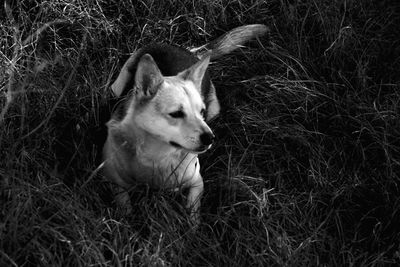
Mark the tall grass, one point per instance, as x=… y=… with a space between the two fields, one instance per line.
x=305 y=171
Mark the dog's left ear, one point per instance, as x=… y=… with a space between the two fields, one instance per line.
x=196 y=72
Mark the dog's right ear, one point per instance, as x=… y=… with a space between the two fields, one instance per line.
x=148 y=77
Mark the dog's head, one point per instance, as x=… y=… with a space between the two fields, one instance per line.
x=171 y=108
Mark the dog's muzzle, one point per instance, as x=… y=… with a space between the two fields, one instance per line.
x=206 y=140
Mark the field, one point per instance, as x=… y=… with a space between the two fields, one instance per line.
x=305 y=169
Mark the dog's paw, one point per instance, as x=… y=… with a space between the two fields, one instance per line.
x=123 y=201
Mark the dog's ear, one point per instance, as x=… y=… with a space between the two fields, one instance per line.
x=148 y=76
x=196 y=72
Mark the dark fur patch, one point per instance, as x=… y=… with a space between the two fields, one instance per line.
x=170 y=60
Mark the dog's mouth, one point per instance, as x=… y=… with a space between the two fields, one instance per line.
x=199 y=150
x=172 y=143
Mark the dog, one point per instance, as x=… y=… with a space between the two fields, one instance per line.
x=159 y=127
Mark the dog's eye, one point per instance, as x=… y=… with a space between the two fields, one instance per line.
x=177 y=114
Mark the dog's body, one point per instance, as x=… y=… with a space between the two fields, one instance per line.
x=157 y=132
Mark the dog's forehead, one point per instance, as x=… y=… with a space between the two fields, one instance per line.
x=179 y=92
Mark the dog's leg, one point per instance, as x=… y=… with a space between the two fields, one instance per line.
x=122 y=199
x=193 y=200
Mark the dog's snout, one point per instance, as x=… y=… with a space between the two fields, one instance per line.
x=207 y=138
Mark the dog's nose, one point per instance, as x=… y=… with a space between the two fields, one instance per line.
x=207 y=138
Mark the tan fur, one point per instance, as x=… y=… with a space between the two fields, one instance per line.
x=230 y=41
x=164 y=127
x=138 y=148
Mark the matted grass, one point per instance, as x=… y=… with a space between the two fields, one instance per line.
x=305 y=171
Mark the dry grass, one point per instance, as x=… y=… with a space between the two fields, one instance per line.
x=305 y=171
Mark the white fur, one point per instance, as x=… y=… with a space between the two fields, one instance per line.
x=152 y=145
x=149 y=145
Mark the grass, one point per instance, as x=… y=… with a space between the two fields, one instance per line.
x=305 y=171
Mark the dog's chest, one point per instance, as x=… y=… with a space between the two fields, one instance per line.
x=171 y=171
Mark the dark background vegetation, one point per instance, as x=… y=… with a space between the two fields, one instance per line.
x=305 y=171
